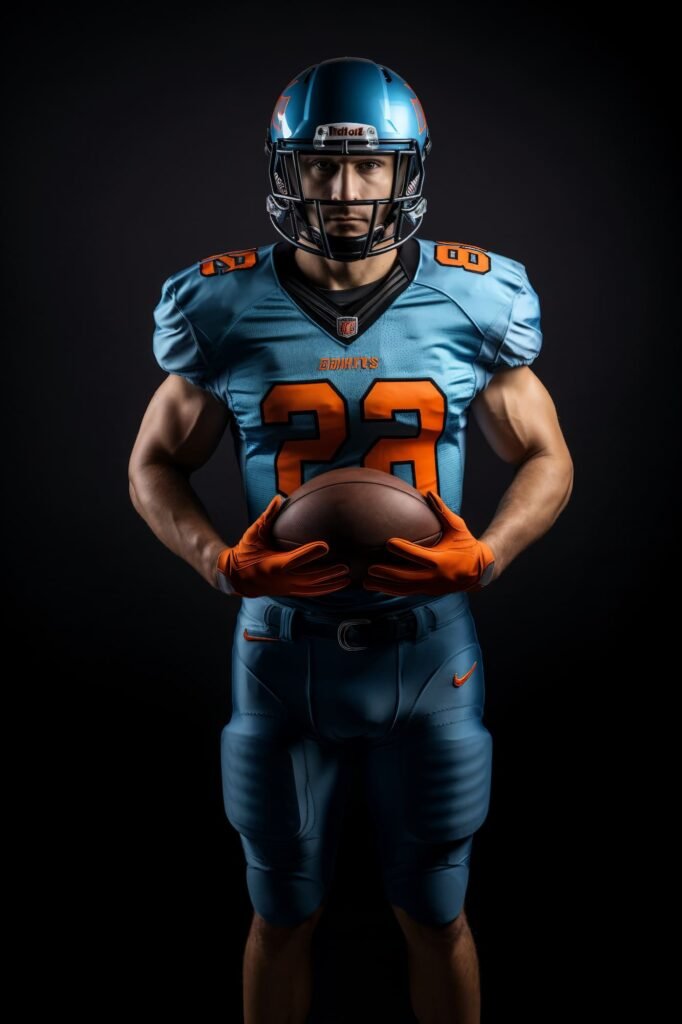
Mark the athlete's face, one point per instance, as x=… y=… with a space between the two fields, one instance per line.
x=347 y=177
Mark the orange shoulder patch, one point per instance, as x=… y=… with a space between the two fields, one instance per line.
x=460 y=254
x=224 y=262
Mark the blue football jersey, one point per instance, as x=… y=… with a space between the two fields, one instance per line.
x=307 y=396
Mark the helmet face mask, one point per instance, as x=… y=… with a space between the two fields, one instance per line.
x=303 y=214
x=306 y=219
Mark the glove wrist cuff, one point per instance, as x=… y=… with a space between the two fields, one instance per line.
x=222 y=571
x=487 y=574
x=488 y=565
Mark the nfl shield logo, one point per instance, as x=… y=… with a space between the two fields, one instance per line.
x=346 y=326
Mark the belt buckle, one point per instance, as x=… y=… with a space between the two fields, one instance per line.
x=341 y=635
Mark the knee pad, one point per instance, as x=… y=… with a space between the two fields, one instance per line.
x=446 y=776
x=281 y=898
x=432 y=888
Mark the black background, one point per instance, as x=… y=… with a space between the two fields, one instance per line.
x=135 y=147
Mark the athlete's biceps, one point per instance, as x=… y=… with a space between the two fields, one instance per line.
x=183 y=425
x=517 y=416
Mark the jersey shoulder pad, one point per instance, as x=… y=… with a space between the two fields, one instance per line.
x=495 y=294
x=198 y=307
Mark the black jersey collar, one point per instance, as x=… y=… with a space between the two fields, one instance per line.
x=349 y=322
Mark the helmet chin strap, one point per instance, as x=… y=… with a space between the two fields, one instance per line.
x=346 y=248
x=351 y=248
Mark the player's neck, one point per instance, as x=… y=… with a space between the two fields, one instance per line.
x=337 y=275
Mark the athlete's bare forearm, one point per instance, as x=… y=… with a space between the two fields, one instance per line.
x=535 y=498
x=164 y=497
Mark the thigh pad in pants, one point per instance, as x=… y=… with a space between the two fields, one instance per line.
x=264 y=783
x=446 y=773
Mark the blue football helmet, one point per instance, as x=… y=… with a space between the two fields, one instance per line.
x=348 y=106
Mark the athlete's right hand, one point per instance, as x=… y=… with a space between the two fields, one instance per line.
x=253 y=569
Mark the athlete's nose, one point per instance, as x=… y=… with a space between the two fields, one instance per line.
x=345 y=183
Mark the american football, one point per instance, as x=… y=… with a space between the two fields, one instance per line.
x=355 y=510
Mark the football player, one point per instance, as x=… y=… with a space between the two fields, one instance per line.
x=352 y=341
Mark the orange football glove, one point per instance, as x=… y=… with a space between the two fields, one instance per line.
x=457 y=562
x=253 y=569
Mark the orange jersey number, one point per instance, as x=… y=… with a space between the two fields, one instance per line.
x=380 y=402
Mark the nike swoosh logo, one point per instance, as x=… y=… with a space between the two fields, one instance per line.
x=270 y=638
x=458 y=680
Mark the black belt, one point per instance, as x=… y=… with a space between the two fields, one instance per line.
x=353 y=634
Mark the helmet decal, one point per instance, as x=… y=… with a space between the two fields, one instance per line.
x=419 y=111
x=278 y=116
x=325 y=132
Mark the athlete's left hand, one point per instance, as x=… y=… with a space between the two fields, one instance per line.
x=457 y=562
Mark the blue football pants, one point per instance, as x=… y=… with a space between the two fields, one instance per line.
x=413 y=710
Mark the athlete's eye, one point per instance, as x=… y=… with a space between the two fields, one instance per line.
x=325 y=166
